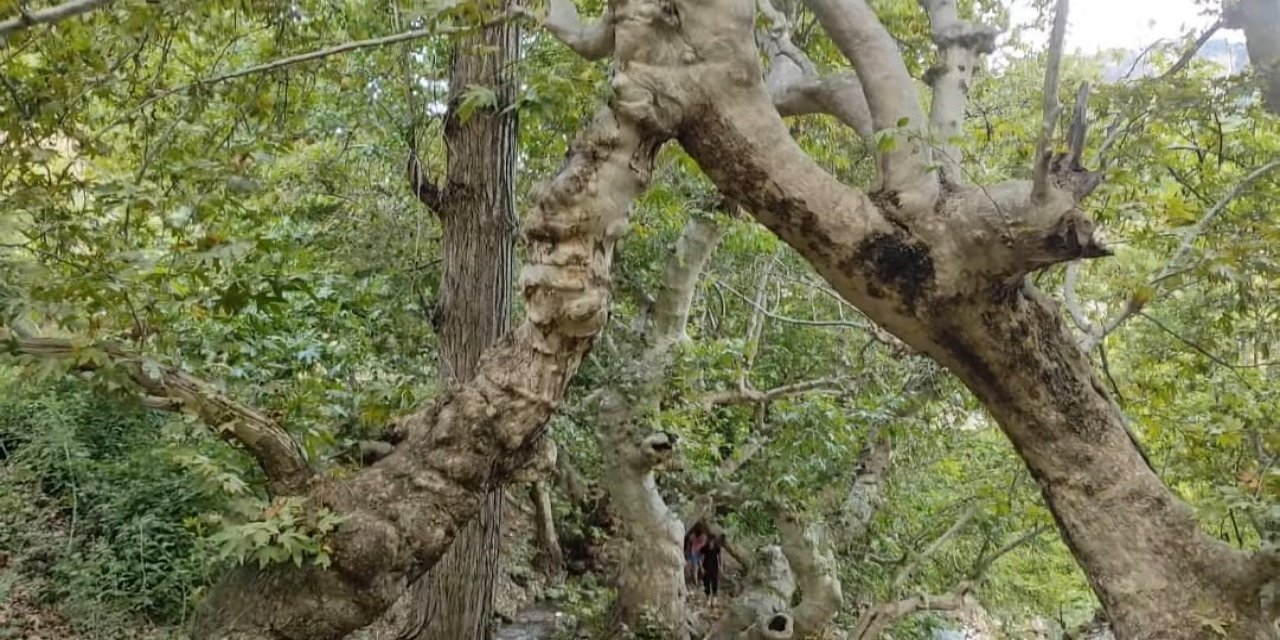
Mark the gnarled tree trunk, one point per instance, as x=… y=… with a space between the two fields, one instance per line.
x=402 y=513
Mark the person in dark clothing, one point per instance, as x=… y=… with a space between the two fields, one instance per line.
x=711 y=567
x=694 y=542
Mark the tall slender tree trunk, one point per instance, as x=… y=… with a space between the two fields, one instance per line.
x=476 y=206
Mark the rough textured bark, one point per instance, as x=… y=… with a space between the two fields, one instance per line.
x=1260 y=20
x=476 y=206
x=651 y=576
x=944 y=270
x=403 y=512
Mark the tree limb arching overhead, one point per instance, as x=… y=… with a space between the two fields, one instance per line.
x=891 y=95
x=945 y=271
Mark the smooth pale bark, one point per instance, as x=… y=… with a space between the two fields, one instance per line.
x=961 y=45
x=651 y=572
x=944 y=271
x=763 y=610
x=891 y=96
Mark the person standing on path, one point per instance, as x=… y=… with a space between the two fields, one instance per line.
x=694 y=543
x=711 y=567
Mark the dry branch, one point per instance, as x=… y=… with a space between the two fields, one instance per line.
x=51 y=15
x=1050 y=108
x=165 y=387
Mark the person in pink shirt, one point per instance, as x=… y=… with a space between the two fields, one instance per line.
x=694 y=542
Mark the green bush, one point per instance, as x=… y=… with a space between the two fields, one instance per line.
x=94 y=506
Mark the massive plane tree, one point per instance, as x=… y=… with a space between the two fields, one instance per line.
x=939 y=262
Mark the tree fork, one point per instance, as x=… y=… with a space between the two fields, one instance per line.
x=403 y=512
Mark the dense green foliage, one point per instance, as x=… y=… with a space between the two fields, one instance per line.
x=258 y=232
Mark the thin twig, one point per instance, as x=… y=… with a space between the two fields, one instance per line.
x=1174 y=267
x=796 y=321
x=905 y=572
x=26 y=19
x=1204 y=352
x=1190 y=54
x=310 y=56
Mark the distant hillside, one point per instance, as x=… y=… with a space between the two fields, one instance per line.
x=1230 y=56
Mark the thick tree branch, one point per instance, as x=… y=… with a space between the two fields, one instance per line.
x=891 y=95
x=277 y=453
x=680 y=280
x=961 y=45
x=797 y=88
x=592 y=40
x=948 y=278
x=57 y=13
x=1260 y=20
x=403 y=512
x=872 y=623
x=864 y=496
